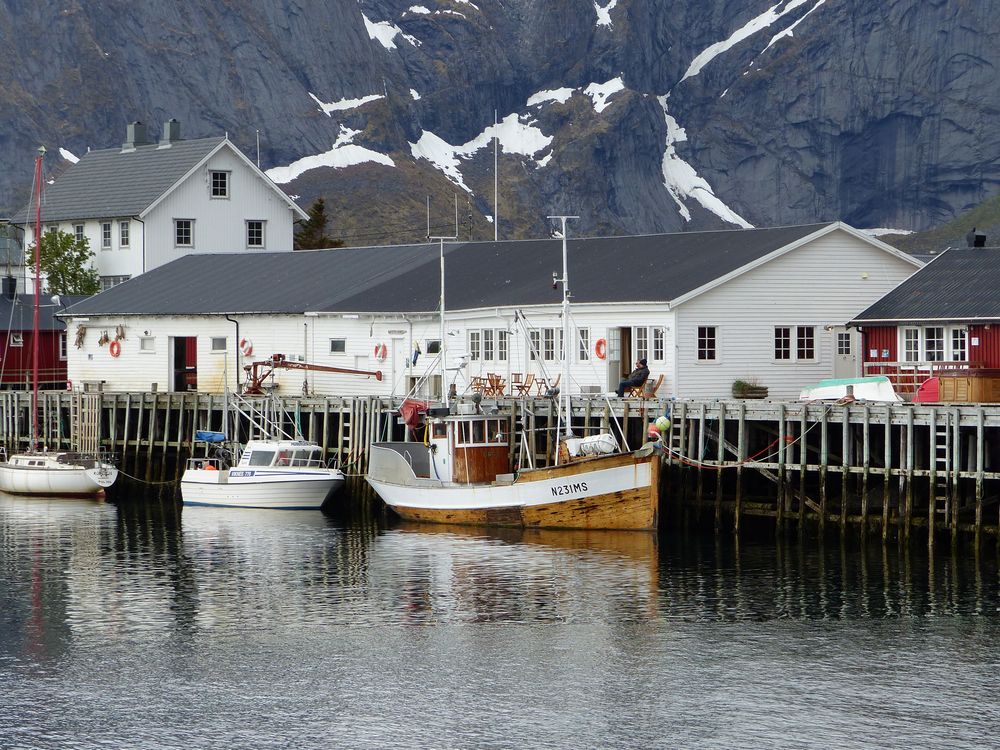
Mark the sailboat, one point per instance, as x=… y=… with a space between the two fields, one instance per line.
x=41 y=472
x=462 y=471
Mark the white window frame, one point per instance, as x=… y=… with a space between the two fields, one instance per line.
x=15 y=339
x=641 y=338
x=124 y=233
x=433 y=346
x=535 y=344
x=338 y=346
x=503 y=341
x=63 y=346
x=959 y=344
x=222 y=190
x=799 y=348
x=79 y=232
x=910 y=345
x=489 y=349
x=147 y=345
x=845 y=345
x=190 y=232
x=940 y=350
x=263 y=234
x=583 y=345
x=218 y=349
x=106 y=235
x=781 y=341
x=715 y=358
x=475 y=342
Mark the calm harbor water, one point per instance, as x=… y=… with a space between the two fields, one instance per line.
x=142 y=624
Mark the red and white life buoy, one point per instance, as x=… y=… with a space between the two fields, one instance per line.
x=69 y=384
x=115 y=348
x=246 y=347
x=601 y=348
x=381 y=352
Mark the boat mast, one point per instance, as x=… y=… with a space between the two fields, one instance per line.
x=35 y=327
x=443 y=349
x=564 y=404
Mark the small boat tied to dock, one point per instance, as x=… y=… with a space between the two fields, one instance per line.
x=462 y=470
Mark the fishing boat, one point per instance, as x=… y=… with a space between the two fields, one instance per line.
x=279 y=472
x=462 y=471
x=38 y=471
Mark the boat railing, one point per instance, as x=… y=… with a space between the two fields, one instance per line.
x=315 y=463
x=212 y=464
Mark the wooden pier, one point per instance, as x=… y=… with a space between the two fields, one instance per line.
x=887 y=469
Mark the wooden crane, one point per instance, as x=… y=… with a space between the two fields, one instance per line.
x=258 y=372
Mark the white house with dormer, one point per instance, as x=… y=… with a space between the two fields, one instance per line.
x=146 y=204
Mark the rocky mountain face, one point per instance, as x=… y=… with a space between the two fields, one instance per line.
x=636 y=115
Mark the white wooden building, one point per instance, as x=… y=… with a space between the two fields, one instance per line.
x=146 y=204
x=704 y=308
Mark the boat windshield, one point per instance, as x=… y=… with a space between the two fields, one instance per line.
x=261 y=458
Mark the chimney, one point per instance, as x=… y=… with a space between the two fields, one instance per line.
x=9 y=287
x=975 y=239
x=171 y=132
x=135 y=135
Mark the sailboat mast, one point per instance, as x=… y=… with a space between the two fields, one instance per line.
x=35 y=326
x=442 y=352
x=564 y=403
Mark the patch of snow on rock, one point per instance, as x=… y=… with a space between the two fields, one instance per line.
x=420 y=10
x=754 y=25
x=551 y=95
x=384 y=33
x=601 y=92
x=343 y=154
x=328 y=107
x=441 y=154
x=415 y=95
x=69 y=156
x=882 y=231
x=682 y=181
x=604 y=13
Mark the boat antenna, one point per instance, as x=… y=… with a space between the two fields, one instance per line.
x=564 y=404
x=443 y=352
x=35 y=327
x=496 y=181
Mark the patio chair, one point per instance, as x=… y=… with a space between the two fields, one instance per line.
x=524 y=388
x=647 y=389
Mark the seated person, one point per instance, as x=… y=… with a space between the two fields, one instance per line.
x=637 y=377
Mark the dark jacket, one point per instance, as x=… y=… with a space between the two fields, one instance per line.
x=638 y=376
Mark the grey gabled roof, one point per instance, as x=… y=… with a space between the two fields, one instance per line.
x=650 y=268
x=962 y=283
x=112 y=182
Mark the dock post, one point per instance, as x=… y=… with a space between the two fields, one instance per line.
x=720 y=459
x=956 y=472
x=932 y=479
x=782 y=478
x=980 y=463
x=845 y=463
x=865 y=465
x=803 y=464
x=700 y=458
x=824 y=460
x=908 y=507
x=741 y=455
x=887 y=464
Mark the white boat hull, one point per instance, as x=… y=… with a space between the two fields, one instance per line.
x=51 y=480
x=260 y=488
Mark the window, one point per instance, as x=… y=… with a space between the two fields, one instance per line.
x=548 y=344
x=123 y=232
x=255 y=233
x=109 y=281
x=641 y=343
x=147 y=344
x=218 y=343
x=934 y=344
x=782 y=343
x=105 y=235
x=184 y=232
x=911 y=345
x=805 y=342
x=502 y=341
x=220 y=184
x=843 y=343
x=959 y=348
x=475 y=350
x=62 y=345
x=535 y=339
x=583 y=345
x=78 y=231
x=707 y=349
x=434 y=346
x=261 y=458
x=488 y=344
x=657 y=336
x=338 y=346
x=16 y=339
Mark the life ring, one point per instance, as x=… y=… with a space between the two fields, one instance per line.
x=115 y=348
x=381 y=352
x=601 y=348
x=246 y=346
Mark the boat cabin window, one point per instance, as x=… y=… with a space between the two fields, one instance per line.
x=303 y=458
x=481 y=431
x=261 y=458
x=440 y=429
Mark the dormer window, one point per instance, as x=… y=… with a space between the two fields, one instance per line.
x=220 y=184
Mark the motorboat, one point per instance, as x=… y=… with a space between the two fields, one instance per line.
x=277 y=474
x=873 y=388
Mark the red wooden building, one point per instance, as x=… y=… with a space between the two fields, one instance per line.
x=944 y=317
x=16 y=343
